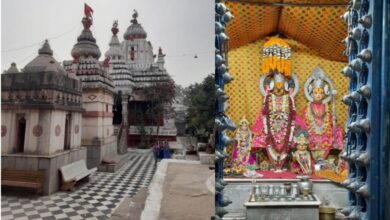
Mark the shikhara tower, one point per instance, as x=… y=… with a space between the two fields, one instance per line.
x=133 y=68
x=98 y=97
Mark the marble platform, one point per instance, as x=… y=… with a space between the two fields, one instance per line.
x=239 y=189
x=283 y=209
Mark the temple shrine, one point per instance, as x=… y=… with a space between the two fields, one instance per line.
x=303 y=145
x=42 y=122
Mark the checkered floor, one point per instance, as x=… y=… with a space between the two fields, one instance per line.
x=94 y=200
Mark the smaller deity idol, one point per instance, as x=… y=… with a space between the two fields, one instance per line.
x=242 y=160
x=302 y=161
x=320 y=116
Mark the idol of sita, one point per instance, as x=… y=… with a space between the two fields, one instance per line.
x=320 y=115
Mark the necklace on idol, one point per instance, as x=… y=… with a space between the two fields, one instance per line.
x=271 y=114
x=312 y=118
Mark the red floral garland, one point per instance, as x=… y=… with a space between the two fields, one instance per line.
x=270 y=137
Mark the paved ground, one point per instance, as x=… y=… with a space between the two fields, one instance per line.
x=94 y=200
x=186 y=194
x=180 y=190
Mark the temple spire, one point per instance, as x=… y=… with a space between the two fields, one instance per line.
x=135 y=16
x=86 y=44
x=12 y=69
x=135 y=30
x=115 y=48
x=114 y=28
x=46 y=49
x=160 y=58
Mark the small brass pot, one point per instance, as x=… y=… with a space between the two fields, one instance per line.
x=327 y=213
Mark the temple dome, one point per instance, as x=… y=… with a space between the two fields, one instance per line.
x=135 y=30
x=44 y=62
x=12 y=69
x=86 y=44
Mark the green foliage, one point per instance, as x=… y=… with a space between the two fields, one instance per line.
x=200 y=99
x=157 y=97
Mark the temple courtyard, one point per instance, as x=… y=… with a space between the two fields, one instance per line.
x=96 y=199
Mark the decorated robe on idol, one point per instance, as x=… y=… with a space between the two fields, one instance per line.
x=242 y=160
x=275 y=125
x=302 y=161
x=320 y=115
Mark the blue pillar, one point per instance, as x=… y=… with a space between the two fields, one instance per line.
x=384 y=202
x=373 y=137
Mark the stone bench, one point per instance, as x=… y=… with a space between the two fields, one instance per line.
x=23 y=178
x=73 y=172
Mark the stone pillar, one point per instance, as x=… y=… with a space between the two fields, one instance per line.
x=122 y=143
x=125 y=105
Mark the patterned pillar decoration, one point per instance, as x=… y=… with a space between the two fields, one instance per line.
x=385 y=114
x=222 y=122
x=362 y=139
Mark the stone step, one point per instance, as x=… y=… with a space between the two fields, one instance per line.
x=235 y=216
x=119 y=159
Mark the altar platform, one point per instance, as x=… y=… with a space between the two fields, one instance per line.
x=297 y=209
x=239 y=189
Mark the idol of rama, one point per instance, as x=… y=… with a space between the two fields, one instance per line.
x=275 y=125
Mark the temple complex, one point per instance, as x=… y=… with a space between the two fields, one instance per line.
x=54 y=115
x=41 y=115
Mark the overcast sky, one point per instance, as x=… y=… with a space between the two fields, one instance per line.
x=183 y=28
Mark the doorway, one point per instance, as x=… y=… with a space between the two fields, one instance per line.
x=21 y=133
x=67 y=131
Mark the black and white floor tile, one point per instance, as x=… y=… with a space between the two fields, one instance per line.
x=96 y=199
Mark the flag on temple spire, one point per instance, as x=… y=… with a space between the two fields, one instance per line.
x=88 y=11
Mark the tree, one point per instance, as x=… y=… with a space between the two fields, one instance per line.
x=158 y=100
x=200 y=99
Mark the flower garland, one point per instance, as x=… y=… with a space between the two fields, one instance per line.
x=288 y=125
x=311 y=117
x=284 y=113
x=276 y=56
